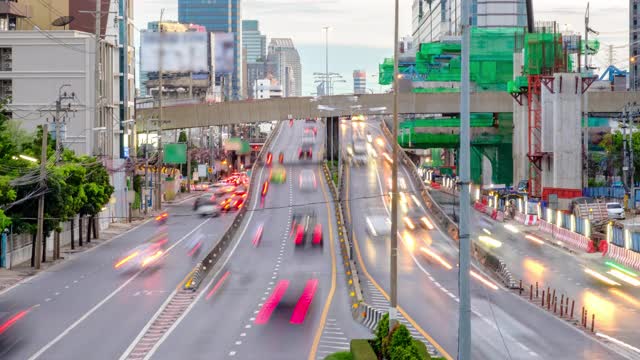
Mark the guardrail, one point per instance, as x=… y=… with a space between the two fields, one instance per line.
x=490 y=261
x=202 y=268
x=353 y=280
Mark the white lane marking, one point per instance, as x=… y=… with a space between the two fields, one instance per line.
x=238 y=342
x=243 y=334
x=47 y=299
x=248 y=326
x=195 y=301
x=98 y=305
x=232 y=353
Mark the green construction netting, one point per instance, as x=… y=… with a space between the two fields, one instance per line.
x=491 y=62
x=543 y=54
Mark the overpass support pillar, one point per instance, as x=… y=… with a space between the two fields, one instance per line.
x=333 y=138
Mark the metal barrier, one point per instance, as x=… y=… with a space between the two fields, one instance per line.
x=202 y=268
x=490 y=261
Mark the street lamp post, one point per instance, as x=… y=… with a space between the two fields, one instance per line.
x=393 y=316
x=327 y=91
x=464 y=318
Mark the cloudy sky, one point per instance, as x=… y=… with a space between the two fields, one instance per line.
x=366 y=26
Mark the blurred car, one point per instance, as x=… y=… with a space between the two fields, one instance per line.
x=306 y=229
x=202 y=199
x=281 y=158
x=265 y=188
x=144 y=255
x=278 y=175
x=201 y=187
x=269 y=158
x=311 y=130
x=378 y=225
x=305 y=152
x=162 y=218
x=308 y=180
x=227 y=189
x=233 y=203
x=615 y=210
x=208 y=207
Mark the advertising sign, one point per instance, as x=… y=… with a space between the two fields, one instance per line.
x=183 y=52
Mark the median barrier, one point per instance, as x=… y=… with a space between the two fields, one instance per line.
x=573 y=239
x=201 y=270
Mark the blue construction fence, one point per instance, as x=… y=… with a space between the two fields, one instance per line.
x=617 y=238
x=616 y=192
x=580 y=223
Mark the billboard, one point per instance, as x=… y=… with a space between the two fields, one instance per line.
x=223 y=48
x=183 y=52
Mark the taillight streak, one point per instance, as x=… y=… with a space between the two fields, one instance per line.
x=302 y=307
x=272 y=302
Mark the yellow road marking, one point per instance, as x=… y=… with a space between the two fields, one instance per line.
x=384 y=293
x=327 y=305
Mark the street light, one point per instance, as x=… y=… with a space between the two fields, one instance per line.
x=326 y=84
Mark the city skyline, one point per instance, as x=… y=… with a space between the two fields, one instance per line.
x=371 y=30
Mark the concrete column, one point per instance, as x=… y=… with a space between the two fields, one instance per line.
x=487 y=171
x=567 y=150
x=547 y=99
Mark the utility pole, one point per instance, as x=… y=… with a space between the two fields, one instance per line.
x=464 y=318
x=625 y=157
x=393 y=310
x=58 y=118
x=43 y=185
x=188 y=162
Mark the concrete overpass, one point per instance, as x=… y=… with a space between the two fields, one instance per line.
x=241 y=112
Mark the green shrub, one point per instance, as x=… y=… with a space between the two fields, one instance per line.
x=382 y=331
x=422 y=349
x=361 y=350
x=404 y=353
x=341 y=355
x=401 y=337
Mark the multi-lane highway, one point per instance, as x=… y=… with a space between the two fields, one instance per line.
x=253 y=306
x=617 y=306
x=84 y=308
x=503 y=325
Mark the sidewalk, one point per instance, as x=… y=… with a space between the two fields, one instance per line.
x=22 y=271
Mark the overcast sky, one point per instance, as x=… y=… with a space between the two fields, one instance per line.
x=369 y=23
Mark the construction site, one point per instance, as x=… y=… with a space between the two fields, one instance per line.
x=544 y=141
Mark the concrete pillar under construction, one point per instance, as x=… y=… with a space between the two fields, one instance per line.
x=546 y=100
x=567 y=149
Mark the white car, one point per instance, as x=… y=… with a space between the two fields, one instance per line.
x=615 y=210
x=208 y=208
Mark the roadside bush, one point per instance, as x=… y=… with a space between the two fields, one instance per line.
x=361 y=350
x=342 y=355
x=382 y=331
x=422 y=349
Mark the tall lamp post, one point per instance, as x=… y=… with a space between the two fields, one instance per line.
x=464 y=318
x=393 y=316
x=326 y=61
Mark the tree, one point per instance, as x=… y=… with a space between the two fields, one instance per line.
x=183 y=137
x=97 y=189
x=613 y=145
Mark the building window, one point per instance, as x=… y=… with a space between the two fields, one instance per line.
x=6 y=89
x=6 y=59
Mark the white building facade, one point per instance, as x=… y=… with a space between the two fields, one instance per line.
x=266 y=89
x=431 y=20
x=39 y=67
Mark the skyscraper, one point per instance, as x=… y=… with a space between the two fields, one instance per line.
x=433 y=19
x=286 y=61
x=253 y=41
x=359 y=82
x=218 y=16
x=634 y=44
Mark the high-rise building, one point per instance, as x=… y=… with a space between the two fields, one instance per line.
x=286 y=60
x=218 y=16
x=359 y=81
x=266 y=89
x=431 y=20
x=253 y=41
x=634 y=44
